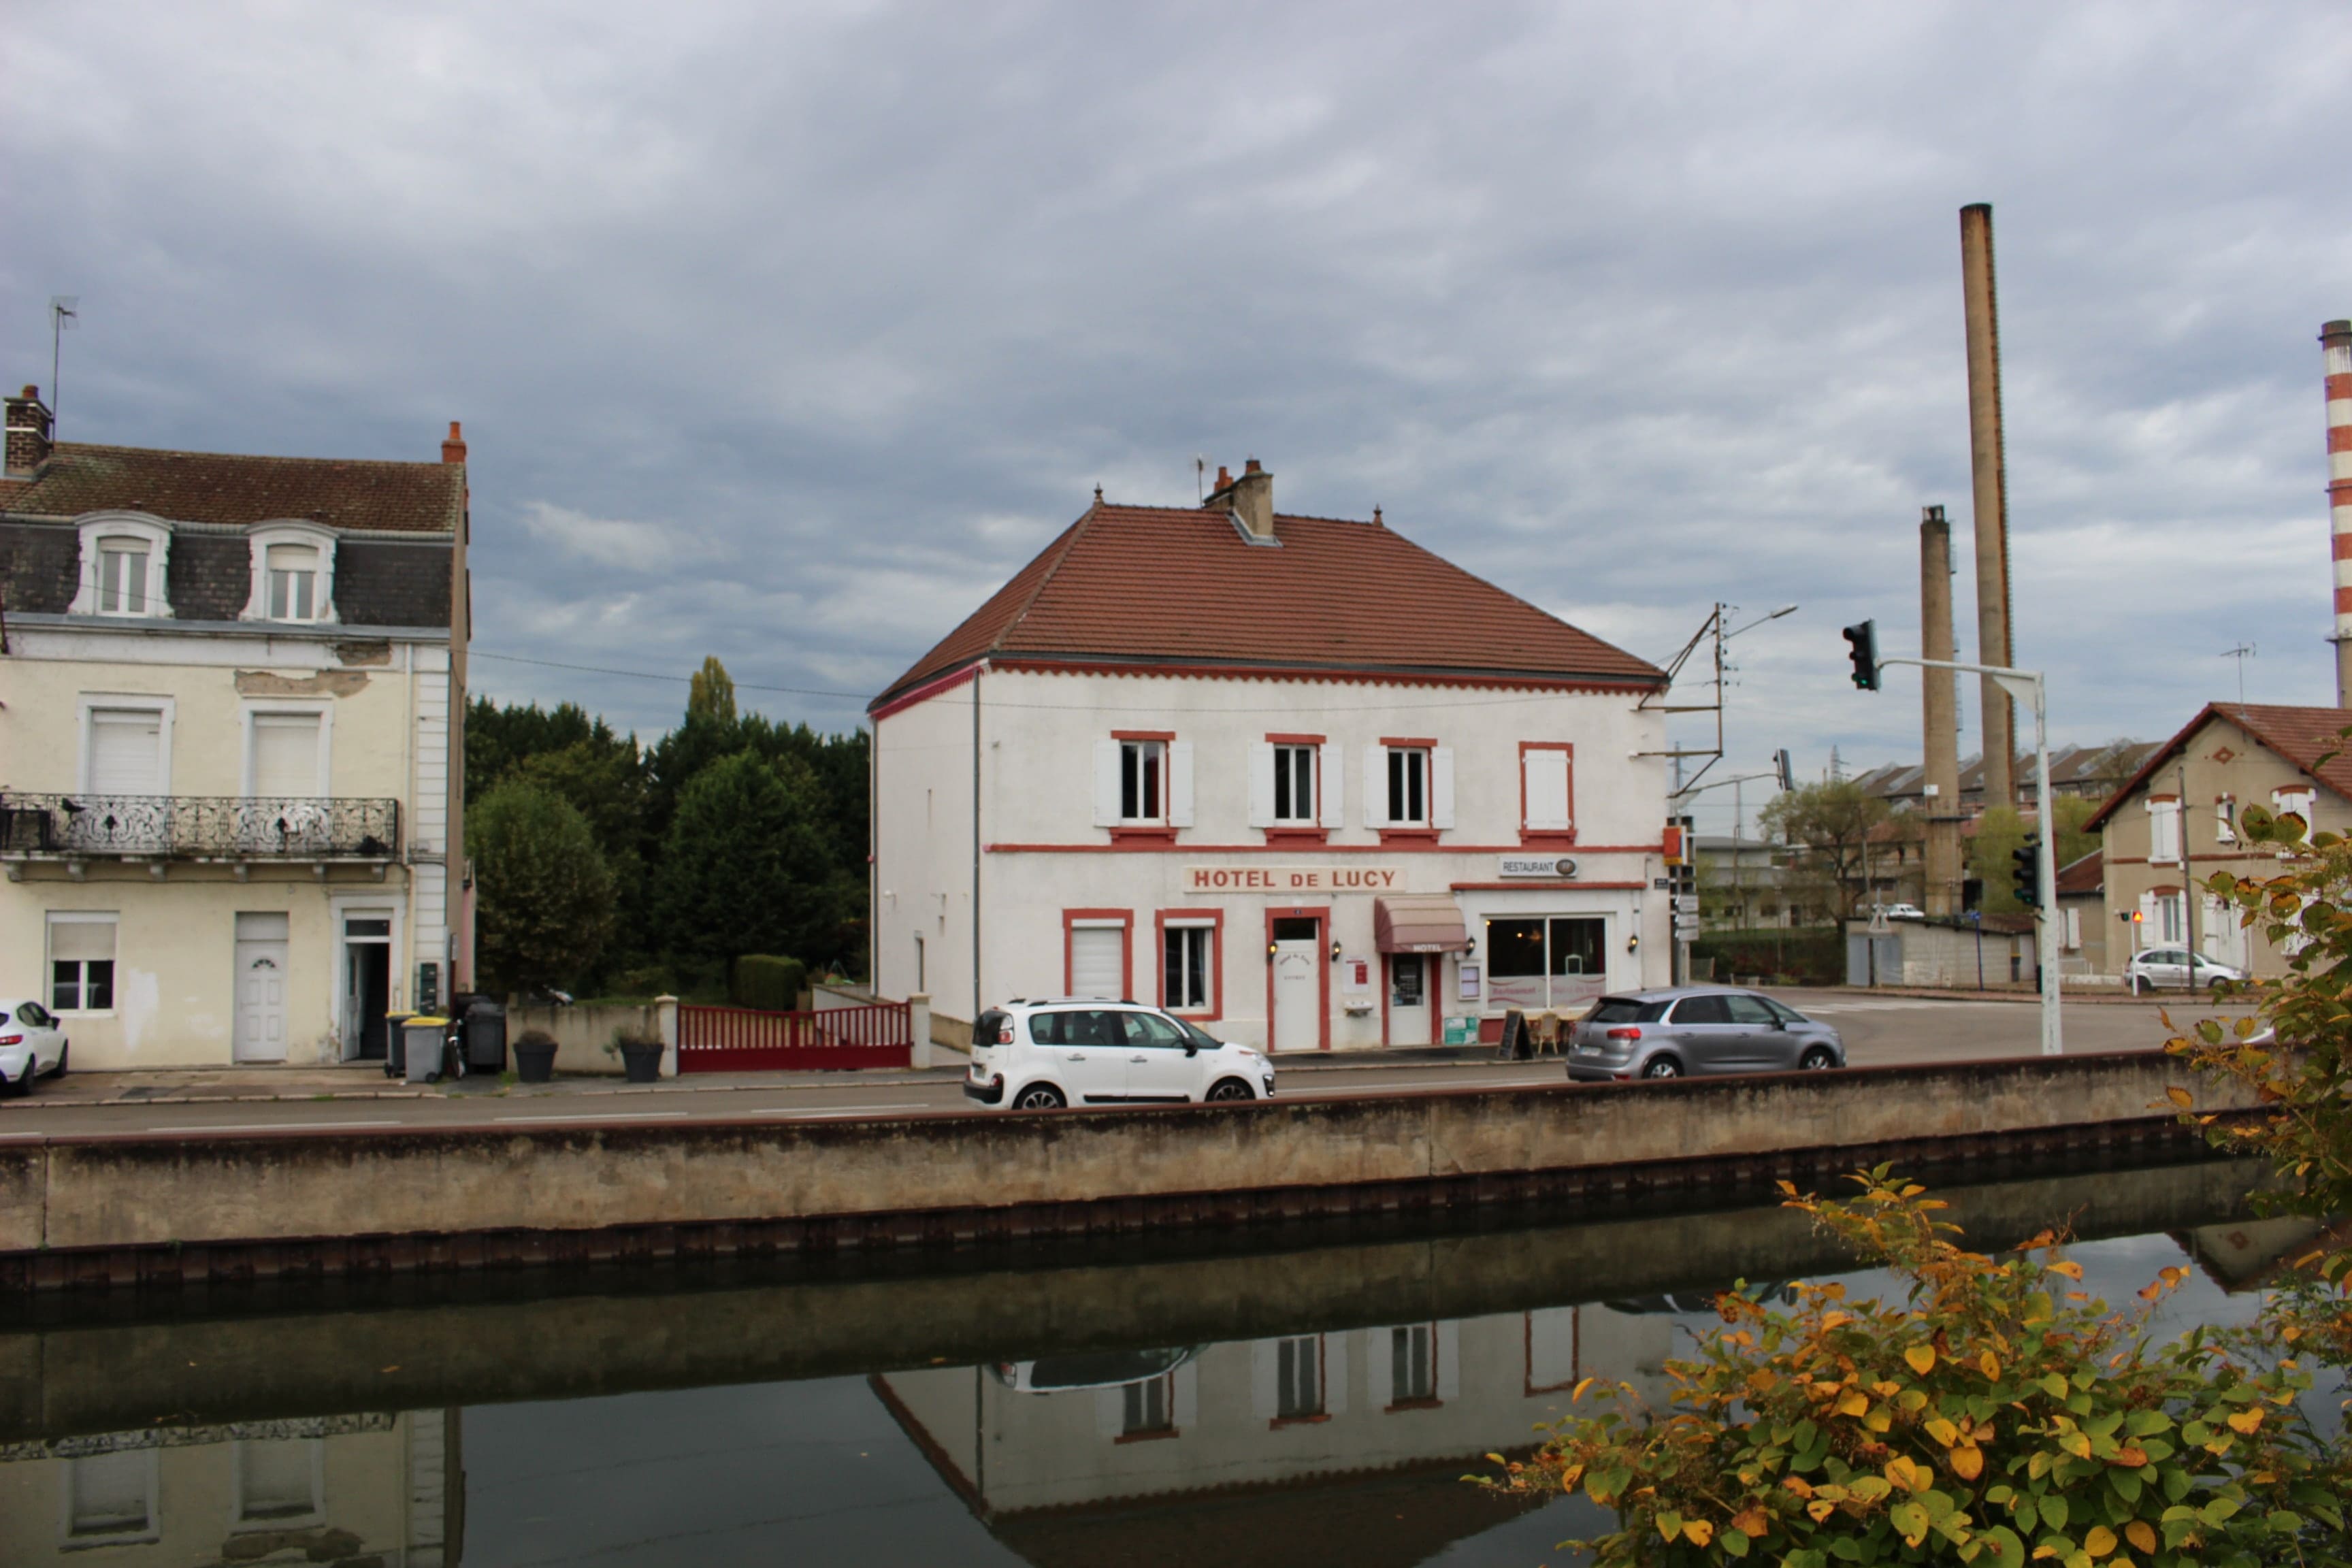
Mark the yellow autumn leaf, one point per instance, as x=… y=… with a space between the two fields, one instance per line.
x=2070 y=1270
x=1821 y=1510
x=1836 y=1319
x=1699 y=1532
x=2245 y=1420
x=1990 y=1367
x=1854 y=1402
x=1943 y=1431
x=2180 y=1097
x=1580 y=1389
x=2099 y=1541
x=2141 y=1535
x=1922 y=1359
x=1752 y=1521
x=1968 y=1461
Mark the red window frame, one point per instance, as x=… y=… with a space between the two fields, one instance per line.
x=1125 y=920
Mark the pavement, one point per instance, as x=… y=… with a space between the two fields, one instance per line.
x=1879 y=1027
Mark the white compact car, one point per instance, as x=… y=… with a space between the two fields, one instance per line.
x=30 y=1042
x=1086 y=1050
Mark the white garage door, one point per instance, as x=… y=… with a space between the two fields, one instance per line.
x=1098 y=961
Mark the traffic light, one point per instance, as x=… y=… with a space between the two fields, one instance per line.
x=1780 y=768
x=2025 y=874
x=1862 y=638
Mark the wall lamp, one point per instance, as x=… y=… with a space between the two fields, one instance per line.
x=1334 y=950
x=1634 y=943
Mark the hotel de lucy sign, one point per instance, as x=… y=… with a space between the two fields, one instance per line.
x=1349 y=878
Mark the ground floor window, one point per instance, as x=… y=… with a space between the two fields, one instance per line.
x=82 y=963
x=1539 y=964
x=1298 y=1371
x=2171 y=924
x=1412 y=1366
x=1186 y=953
x=1148 y=1408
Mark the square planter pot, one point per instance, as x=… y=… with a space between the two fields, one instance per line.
x=641 y=1064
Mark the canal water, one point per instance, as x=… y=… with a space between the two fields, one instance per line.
x=1301 y=1399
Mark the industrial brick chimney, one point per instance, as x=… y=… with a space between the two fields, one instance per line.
x=2335 y=347
x=1249 y=497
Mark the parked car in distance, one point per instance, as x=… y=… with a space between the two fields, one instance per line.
x=2166 y=969
x=1695 y=1030
x=1086 y=1050
x=31 y=1043
x=1903 y=912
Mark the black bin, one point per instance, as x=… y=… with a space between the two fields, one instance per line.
x=483 y=1020
x=396 y=1053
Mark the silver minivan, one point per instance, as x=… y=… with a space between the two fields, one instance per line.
x=1698 y=1030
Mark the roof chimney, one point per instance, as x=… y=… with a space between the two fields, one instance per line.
x=1249 y=497
x=28 y=441
x=453 y=450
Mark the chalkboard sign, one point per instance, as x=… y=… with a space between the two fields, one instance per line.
x=1514 y=1036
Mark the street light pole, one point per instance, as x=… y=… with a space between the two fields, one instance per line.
x=2028 y=684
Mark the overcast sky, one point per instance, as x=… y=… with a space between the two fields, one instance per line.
x=787 y=331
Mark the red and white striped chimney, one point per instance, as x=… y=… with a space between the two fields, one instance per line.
x=2336 y=345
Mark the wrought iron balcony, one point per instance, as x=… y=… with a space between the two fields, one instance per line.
x=193 y=826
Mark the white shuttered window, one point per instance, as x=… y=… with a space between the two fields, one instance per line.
x=286 y=755
x=126 y=750
x=1544 y=771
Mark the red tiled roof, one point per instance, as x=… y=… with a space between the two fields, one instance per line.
x=2303 y=736
x=2084 y=874
x=1180 y=586
x=216 y=486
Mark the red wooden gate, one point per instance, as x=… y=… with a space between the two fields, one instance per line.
x=742 y=1039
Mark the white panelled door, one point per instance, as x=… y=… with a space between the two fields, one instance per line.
x=261 y=975
x=126 y=750
x=1098 y=961
x=1299 y=994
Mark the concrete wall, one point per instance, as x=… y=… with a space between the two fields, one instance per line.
x=583 y=1030
x=95 y=1191
x=1044 y=855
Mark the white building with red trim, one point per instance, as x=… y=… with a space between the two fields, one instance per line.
x=1298 y=778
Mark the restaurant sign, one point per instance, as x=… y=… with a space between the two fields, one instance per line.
x=1293 y=879
x=1550 y=867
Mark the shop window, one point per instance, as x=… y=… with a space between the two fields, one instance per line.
x=82 y=963
x=1544 y=963
x=1186 y=982
x=1407 y=977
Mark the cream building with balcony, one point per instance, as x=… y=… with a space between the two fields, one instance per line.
x=1295 y=777
x=230 y=782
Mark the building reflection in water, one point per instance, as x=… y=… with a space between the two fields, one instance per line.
x=383 y=1489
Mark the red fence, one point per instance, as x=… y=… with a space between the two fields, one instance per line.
x=741 y=1039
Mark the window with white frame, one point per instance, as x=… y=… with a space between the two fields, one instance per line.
x=2171 y=919
x=2297 y=801
x=1143 y=781
x=111 y=1498
x=1412 y=1366
x=1408 y=784
x=1293 y=784
x=2225 y=819
x=1187 y=952
x=81 y=961
x=1299 y=1378
x=2163 y=828
x=279 y=1481
x=124 y=750
x=2070 y=932
x=293 y=581
x=283 y=757
x=122 y=567
x=1147 y=1408
x=293 y=566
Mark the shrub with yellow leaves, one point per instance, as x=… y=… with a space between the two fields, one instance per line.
x=1995 y=1417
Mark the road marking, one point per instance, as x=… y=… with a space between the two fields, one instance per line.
x=839 y=1110
x=599 y=1115
x=268 y=1126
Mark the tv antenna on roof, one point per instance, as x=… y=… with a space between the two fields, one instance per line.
x=1200 y=477
x=2242 y=652
x=65 y=311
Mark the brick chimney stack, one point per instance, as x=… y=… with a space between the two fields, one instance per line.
x=453 y=450
x=1249 y=497
x=2335 y=347
x=29 y=442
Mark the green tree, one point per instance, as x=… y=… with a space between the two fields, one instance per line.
x=1827 y=825
x=544 y=893
x=710 y=693
x=744 y=866
x=2002 y=829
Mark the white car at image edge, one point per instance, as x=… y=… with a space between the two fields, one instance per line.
x=1042 y=1054
x=30 y=1043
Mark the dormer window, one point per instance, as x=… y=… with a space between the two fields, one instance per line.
x=293 y=581
x=123 y=576
x=123 y=556
x=293 y=573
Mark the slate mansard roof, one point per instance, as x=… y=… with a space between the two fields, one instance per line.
x=1175 y=587
x=396 y=523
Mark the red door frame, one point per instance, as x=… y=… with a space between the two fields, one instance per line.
x=1321 y=915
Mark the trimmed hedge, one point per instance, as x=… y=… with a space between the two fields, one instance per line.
x=1799 y=957
x=770 y=984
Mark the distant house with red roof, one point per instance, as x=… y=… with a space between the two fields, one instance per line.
x=2176 y=819
x=1295 y=777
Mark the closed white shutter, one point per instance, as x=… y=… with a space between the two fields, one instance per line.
x=1546 y=788
x=1180 y=784
x=1376 y=786
x=1098 y=961
x=78 y=939
x=286 y=755
x=1551 y=1347
x=1106 y=783
x=126 y=751
x=1335 y=787
x=1261 y=785
x=1441 y=787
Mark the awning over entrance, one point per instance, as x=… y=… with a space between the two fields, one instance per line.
x=1428 y=922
